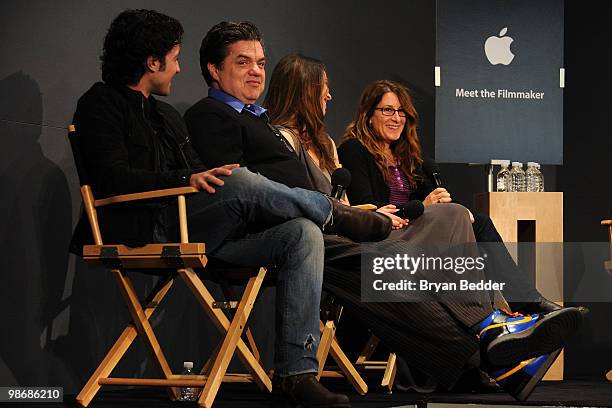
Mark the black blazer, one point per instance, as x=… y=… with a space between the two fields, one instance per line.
x=120 y=154
x=221 y=135
x=367 y=183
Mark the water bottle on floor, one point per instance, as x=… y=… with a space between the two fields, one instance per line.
x=188 y=393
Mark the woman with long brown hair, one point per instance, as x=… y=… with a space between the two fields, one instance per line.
x=382 y=150
x=297 y=102
x=386 y=125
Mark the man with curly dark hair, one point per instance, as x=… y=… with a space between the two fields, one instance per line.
x=132 y=142
x=134 y=36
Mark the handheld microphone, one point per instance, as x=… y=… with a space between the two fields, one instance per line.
x=431 y=170
x=412 y=210
x=340 y=181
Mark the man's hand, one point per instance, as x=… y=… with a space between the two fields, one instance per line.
x=439 y=195
x=389 y=210
x=204 y=180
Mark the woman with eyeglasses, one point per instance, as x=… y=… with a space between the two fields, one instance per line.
x=381 y=148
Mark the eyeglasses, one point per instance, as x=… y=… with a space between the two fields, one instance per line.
x=387 y=111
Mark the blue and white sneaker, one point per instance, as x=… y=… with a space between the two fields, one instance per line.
x=507 y=339
x=521 y=380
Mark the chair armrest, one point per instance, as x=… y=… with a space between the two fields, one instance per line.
x=145 y=195
x=368 y=207
x=606 y=222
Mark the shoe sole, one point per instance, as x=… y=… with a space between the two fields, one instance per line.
x=545 y=336
x=522 y=393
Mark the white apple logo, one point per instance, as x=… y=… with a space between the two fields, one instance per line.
x=497 y=49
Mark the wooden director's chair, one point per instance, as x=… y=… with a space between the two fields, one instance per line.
x=179 y=259
x=345 y=368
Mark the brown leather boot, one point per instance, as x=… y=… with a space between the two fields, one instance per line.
x=303 y=390
x=356 y=224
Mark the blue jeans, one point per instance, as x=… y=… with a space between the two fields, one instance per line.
x=247 y=202
x=295 y=249
x=252 y=221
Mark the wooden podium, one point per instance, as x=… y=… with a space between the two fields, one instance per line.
x=536 y=218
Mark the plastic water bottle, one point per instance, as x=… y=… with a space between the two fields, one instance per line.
x=503 y=176
x=517 y=177
x=540 y=177
x=189 y=393
x=532 y=177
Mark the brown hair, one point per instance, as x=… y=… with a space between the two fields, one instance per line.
x=407 y=149
x=294 y=101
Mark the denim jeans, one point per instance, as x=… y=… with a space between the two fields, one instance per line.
x=246 y=202
x=295 y=249
x=252 y=221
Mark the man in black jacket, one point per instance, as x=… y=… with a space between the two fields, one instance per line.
x=131 y=142
x=227 y=126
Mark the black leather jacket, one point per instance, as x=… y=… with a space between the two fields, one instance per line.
x=120 y=156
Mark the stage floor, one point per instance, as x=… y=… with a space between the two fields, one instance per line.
x=549 y=394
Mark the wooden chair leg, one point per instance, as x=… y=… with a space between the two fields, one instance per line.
x=223 y=324
x=329 y=345
x=122 y=344
x=390 y=371
x=144 y=328
x=253 y=345
x=230 y=341
x=230 y=294
x=347 y=368
x=390 y=367
x=368 y=350
x=328 y=331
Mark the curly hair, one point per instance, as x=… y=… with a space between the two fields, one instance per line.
x=135 y=35
x=407 y=149
x=215 y=43
x=294 y=101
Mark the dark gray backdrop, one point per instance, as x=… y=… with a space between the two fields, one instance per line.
x=60 y=316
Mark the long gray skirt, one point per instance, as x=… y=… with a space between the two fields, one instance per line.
x=432 y=336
